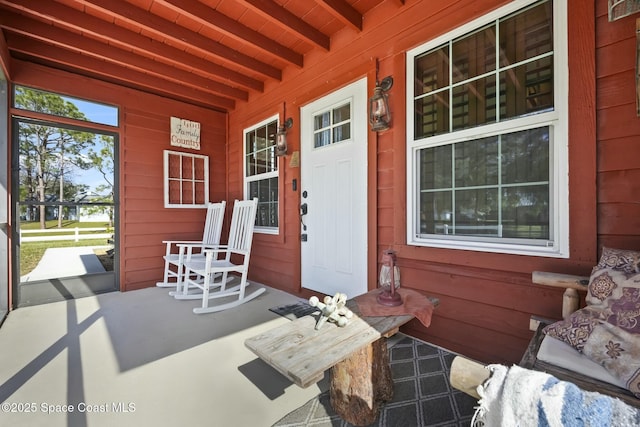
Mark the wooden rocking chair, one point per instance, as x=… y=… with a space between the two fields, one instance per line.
x=218 y=263
x=179 y=251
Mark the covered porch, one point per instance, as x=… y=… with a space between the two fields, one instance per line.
x=559 y=96
x=143 y=358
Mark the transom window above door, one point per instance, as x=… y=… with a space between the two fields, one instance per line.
x=487 y=134
x=332 y=126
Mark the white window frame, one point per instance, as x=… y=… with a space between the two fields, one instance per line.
x=167 y=179
x=557 y=119
x=263 y=176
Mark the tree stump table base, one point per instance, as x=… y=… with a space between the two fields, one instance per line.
x=362 y=383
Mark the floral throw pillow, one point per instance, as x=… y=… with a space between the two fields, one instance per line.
x=575 y=329
x=617 y=269
x=618 y=352
x=619 y=259
x=625 y=311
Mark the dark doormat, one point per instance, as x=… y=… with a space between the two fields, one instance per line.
x=294 y=311
x=422 y=394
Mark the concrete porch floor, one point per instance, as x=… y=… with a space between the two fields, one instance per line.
x=142 y=358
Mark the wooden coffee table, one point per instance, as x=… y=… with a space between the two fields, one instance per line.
x=357 y=355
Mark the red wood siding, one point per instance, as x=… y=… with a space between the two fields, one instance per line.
x=486 y=299
x=144 y=135
x=618 y=132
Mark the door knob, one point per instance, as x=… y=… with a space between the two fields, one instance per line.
x=303 y=211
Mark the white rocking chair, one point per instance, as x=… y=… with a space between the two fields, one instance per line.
x=179 y=251
x=219 y=260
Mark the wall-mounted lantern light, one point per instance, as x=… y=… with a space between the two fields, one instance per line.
x=379 y=113
x=281 y=137
x=621 y=8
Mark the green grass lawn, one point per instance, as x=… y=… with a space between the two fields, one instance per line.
x=31 y=252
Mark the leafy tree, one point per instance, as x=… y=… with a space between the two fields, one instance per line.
x=103 y=161
x=46 y=152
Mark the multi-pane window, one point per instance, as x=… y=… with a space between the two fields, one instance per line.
x=332 y=126
x=487 y=148
x=186 y=180
x=261 y=173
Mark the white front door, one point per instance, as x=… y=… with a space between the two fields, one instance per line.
x=334 y=192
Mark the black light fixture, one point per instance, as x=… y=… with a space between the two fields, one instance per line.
x=379 y=113
x=281 y=135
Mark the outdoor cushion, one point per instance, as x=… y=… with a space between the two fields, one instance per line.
x=561 y=354
x=606 y=330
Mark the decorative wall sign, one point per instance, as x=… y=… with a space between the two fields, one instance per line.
x=185 y=133
x=294 y=162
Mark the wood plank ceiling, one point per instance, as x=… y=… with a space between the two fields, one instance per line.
x=212 y=53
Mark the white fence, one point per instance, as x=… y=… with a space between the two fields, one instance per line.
x=75 y=234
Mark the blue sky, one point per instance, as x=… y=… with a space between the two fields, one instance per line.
x=98 y=113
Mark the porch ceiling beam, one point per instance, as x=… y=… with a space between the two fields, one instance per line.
x=211 y=18
x=288 y=21
x=63 y=16
x=70 y=41
x=178 y=34
x=68 y=60
x=344 y=12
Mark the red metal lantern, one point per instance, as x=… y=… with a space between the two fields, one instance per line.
x=281 y=137
x=389 y=280
x=281 y=141
x=379 y=112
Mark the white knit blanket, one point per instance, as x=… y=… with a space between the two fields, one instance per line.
x=518 y=397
